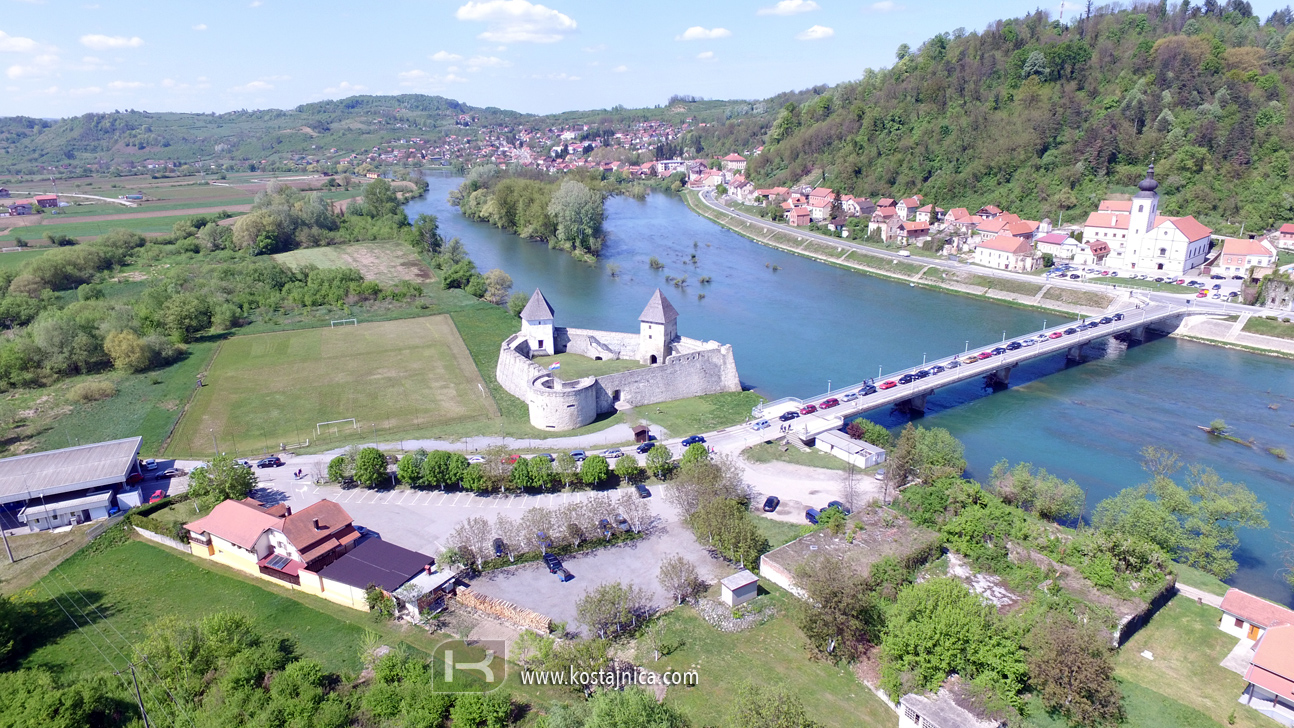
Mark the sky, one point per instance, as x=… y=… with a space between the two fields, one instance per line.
x=67 y=57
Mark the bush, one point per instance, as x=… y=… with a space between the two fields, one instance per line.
x=87 y=392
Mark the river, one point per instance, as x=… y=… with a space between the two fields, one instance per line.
x=794 y=328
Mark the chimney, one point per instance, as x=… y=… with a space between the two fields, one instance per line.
x=287 y=511
x=427 y=569
x=316 y=524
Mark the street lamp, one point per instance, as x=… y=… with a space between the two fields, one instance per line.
x=967 y=347
x=828 y=386
x=923 y=358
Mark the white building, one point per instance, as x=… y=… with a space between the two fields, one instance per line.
x=1144 y=241
x=1058 y=245
x=1238 y=256
x=1005 y=252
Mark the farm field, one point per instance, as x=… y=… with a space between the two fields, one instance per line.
x=13 y=261
x=386 y=263
x=161 y=224
x=394 y=376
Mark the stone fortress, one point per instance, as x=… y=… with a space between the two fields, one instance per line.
x=675 y=367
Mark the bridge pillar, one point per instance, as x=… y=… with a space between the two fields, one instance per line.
x=914 y=405
x=1137 y=333
x=1075 y=353
x=999 y=378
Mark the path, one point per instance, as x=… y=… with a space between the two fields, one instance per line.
x=1212 y=600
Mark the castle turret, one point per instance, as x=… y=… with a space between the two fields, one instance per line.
x=537 y=325
x=657 y=329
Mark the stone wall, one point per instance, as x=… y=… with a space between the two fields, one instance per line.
x=596 y=344
x=708 y=371
x=558 y=405
x=515 y=371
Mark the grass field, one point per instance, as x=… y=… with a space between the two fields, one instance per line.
x=778 y=533
x=162 y=224
x=1266 y=327
x=770 y=654
x=36 y=553
x=13 y=261
x=268 y=389
x=576 y=367
x=701 y=414
x=387 y=262
x=766 y=452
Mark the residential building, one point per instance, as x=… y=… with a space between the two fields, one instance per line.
x=923 y=213
x=1092 y=253
x=1058 y=245
x=988 y=212
x=1005 y=252
x=1023 y=229
x=857 y=206
x=884 y=223
x=1239 y=256
x=914 y=232
x=819 y=209
x=1144 y=241
x=1285 y=237
x=272 y=540
x=388 y=567
x=799 y=217
x=1247 y=616
x=907 y=207
x=733 y=163
x=47 y=200
x=20 y=207
x=821 y=195
x=1271 y=675
x=70 y=485
x=4 y=192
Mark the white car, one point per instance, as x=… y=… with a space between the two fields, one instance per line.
x=759 y=424
x=476 y=459
x=150 y=464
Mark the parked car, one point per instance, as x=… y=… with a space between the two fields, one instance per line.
x=758 y=425
x=891 y=384
x=605 y=526
x=645 y=448
x=971 y=359
x=921 y=373
x=1202 y=294
x=771 y=503
x=811 y=515
x=829 y=403
x=1217 y=277
x=642 y=491
x=510 y=459
x=498 y=548
x=134 y=478
x=622 y=523
x=869 y=389
x=1070 y=331
x=1029 y=342
x=547 y=456
x=613 y=453
x=1106 y=320
x=475 y=459
x=150 y=464
x=1117 y=317
x=998 y=351
x=157 y=496
x=553 y=563
x=544 y=543
x=849 y=397
x=1055 y=335
x=808 y=409
x=907 y=379
x=168 y=473
x=693 y=440
x=841 y=506
x=563 y=575
x=953 y=363
x=788 y=415
x=578 y=455
x=937 y=369
x=880 y=474
x=271 y=462
x=1014 y=346
x=984 y=355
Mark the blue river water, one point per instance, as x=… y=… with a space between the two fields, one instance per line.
x=796 y=324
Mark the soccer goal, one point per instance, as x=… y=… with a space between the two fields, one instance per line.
x=343 y=322
x=319 y=425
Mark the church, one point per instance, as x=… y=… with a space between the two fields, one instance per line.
x=1143 y=241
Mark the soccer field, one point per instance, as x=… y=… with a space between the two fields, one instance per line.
x=395 y=376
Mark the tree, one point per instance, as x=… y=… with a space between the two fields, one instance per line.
x=938 y=627
x=520 y=475
x=594 y=470
x=628 y=470
x=222 y=479
x=567 y=469
x=833 y=520
x=340 y=468
x=841 y=616
x=1039 y=492
x=577 y=211
x=659 y=462
x=127 y=351
x=185 y=315
x=679 y=578
x=632 y=707
x=610 y=610
x=694 y=453
x=1036 y=65
x=409 y=468
x=474 y=479
x=426 y=237
x=370 y=467
x=541 y=472
x=635 y=510
x=1071 y=667
x=517 y=303
x=497 y=286
x=380 y=199
x=704 y=481
x=767 y=706
x=869 y=432
x=474 y=710
x=725 y=524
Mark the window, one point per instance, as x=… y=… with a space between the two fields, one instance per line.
x=1163 y=251
x=1240 y=622
x=1141 y=208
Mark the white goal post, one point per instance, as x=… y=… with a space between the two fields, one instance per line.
x=319 y=425
x=343 y=322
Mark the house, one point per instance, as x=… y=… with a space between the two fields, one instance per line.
x=923 y=213
x=1247 y=616
x=71 y=485
x=857 y=206
x=47 y=200
x=1092 y=253
x=1023 y=229
x=742 y=189
x=858 y=452
x=914 y=232
x=733 y=163
x=1271 y=675
x=235 y=533
x=988 y=212
x=739 y=588
x=1142 y=240
x=885 y=202
x=1005 y=252
x=1285 y=238
x=20 y=207
x=272 y=541
x=4 y=192
x=819 y=209
x=799 y=217
x=838 y=224
x=1238 y=256
x=1058 y=245
x=386 y=566
x=884 y=222
x=907 y=207
x=821 y=194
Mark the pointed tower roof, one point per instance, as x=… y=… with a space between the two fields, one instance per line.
x=537 y=309
x=1149 y=184
x=659 y=310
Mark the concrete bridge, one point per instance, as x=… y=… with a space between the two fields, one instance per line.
x=996 y=370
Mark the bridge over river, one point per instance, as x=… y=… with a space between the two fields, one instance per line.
x=996 y=369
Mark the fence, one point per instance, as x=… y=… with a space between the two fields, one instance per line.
x=164 y=540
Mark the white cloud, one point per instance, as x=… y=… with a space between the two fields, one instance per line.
x=110 y=42
x=696 y=32
x=16 y=44
x=255 y=4
x=86 y=91
x=476 y=63
x=418 y=78
x=789 y=7
x=445 y=56
x=453 y=69
x=39 y=66
x=90 y=63
x=345 y=87
x=817 y=32
x=557 y=77
x=885 y=6
x=706 y=56
x=125 y=85
x=253 y=87
x=517 y=21
x=595 y=48
x=200 y=26
x=620 y=69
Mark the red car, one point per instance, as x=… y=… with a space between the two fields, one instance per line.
x=829 y=403
x=1201 y=294
x=510 y=459
x=889 y=385
x=157 y=496
x=984 y=355
x=1055 y=335
x=808 y=409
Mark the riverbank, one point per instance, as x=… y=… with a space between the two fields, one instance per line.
x=1040 y=297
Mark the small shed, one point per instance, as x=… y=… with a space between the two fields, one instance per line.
x=739 y=588
x=642 y=433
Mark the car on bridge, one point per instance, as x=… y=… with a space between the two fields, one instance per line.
x=921 y=374
x=808 y=409
x=1071 y=331
x=1014 y=346
x=889 y=384
x=953 y=363
x=789 y=415
x=1106 y=320
x=829 y=403
x=758 y=425
x=849 y=397
x=1118 y=317
x=866 y=390
x=907 y=379
x=937 y=369
x=984 y=355
x=1028 y=342
x=971 y=359
x=1055 y=335
x=998 y=351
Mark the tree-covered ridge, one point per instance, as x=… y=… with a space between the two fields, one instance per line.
x=1042 y=117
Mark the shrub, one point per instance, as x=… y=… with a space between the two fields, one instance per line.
x=87 y=392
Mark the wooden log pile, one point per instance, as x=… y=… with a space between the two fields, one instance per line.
x=507 y=611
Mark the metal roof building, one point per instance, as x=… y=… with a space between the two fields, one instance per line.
x=71 y=469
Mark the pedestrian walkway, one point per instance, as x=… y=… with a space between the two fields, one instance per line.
x=1199 y=595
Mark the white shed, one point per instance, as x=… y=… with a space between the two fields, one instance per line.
x=739 y=588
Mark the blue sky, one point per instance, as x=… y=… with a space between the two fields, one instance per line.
x=62 y=58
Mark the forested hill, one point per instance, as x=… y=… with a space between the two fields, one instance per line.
x=1040 y=117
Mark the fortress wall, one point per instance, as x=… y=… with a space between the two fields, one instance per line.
x=515 y=371
x=558 y=405
x=624 y=345
x=683 y=375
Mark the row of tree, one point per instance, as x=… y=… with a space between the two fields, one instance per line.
x=565 y=213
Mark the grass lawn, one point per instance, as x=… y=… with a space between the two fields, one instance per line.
x=267 y=389
x=13 y=261
x=36 y=553
x=1144 y=708
x=770 y=654
x=701 y=414
x=1078 y=298
x=1191 y=576
x=778 y=533
x=386 y=262
x=767 y=452
x=162 y=224
x=575 y=366
x=146 y=404
x=1269 y=327
x=1187 y=645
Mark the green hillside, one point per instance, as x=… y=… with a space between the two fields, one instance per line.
x=1042 y=118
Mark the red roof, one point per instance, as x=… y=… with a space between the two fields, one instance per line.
x=1242 y=246
x=1115 y=206
x=820 y=203
x=1107 y=220
x=1193 y=229
x=1255 y=610
x=1022 y=227
x=46 y=197
x=912 y=202
x=1008 y=244
x=822 y=192
x=236 y=522
x=1287 y=229
x=1098 y=247
x=1273 y=661
x=996 y=225
x=885 y=211
x=885 y=202
x=959 y=215
x=734 y=157
x=916 y=227
x=1053 y=238
x=991 y=210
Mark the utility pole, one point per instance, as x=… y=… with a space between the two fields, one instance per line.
x=138 y=699
x=5 y=536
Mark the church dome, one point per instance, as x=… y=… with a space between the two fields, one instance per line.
x=1148 y=184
